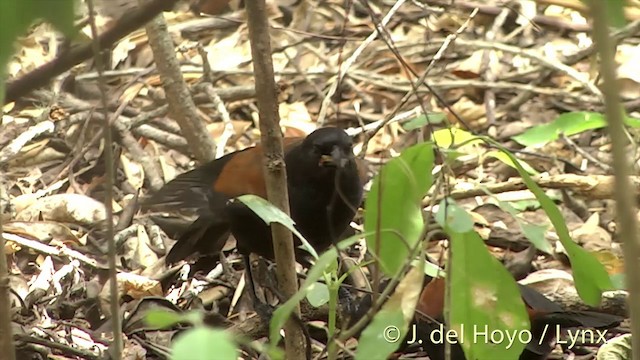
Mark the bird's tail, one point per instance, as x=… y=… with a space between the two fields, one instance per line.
x=205 y=236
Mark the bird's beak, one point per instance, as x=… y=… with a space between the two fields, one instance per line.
x=337 y=158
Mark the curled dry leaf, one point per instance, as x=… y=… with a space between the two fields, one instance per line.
x=133 y=285
x=83 y=340
x=45 y=277
x=471 y=113
x=36 y=153
x=470 y=67
x=217 y=128
x=45 y=231
x=407 y=293
x=137 y=250
x=557 y=283
x=558 y=286
x=19 y=288
x=23 y=201
x=133 y=172
x=235 y=48
x=628 y=78
x=70 y=269
x=296 y=119
x=591 y=236
x=133 y=350
x=11 y=247
x=383 y=140
x=72 y=208
x=33 y=50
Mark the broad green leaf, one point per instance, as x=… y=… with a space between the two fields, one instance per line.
x=423 y=120
x=318 y=294
x=589 y=274
x=270 y=214
x=382 y=336
x=568 y=124
x=389 y=326
x=485 y=298
x=203 y=343
x=394 y=204
x=451 y=215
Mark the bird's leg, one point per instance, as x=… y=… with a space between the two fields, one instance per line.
x=226 y=268
x=262 y=308
x=346 y=302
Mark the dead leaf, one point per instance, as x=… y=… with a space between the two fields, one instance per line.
x=44 y=231
x=133 y=285
x=133 y=172
x=591 y=236
x=73 y=208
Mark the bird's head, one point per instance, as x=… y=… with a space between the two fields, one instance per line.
x=329 y=148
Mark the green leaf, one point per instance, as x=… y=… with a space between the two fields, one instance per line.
x=618 y=348
x=161 y=319
x=382 y=336
x=590 y=276
x=568 y=124
x=526 y=205
x=269 y=213
x=535 y=234
x=446 y=138
x=486 y=297
x=389 y=326
x=451 y=215
x=325 y=261
x=619 y=281
x=204 y=343
x=423 y=120
x=615 y=12
x=509 y=162
x=451 y=155
x=433 y=270
x=318 y=294
x=394 y=204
